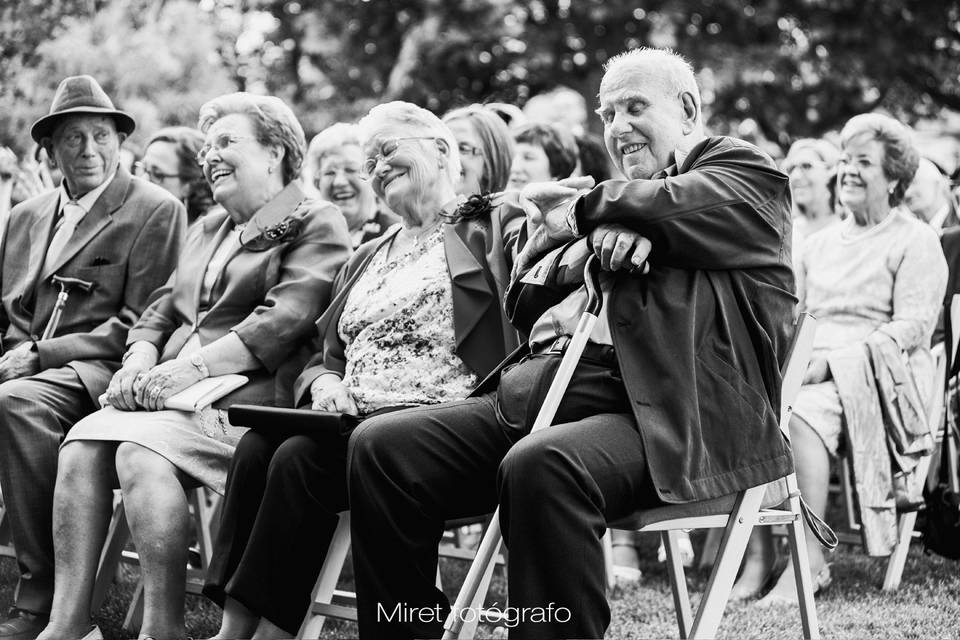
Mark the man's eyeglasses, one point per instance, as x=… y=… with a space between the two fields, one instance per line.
x=155 y=174
x=386 y=149
x=219 y=143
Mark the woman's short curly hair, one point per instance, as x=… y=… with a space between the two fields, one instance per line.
x=559 y=145
x=274 y=121
x=900 y=155
x=337 y=135
x=496 y=144
x=417 y=119
x=187 y=142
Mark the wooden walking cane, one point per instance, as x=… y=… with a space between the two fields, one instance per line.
x=470 y=598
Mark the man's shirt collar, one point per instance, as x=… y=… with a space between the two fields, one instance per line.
x=87 y=200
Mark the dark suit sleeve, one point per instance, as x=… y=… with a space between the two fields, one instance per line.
x=4 y=318
x=728 y=211
x=525 y=302
x=513 y=226
x=153 y=256
x=302 y=292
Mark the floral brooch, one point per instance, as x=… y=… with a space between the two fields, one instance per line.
x=474 y=207
x=284 y=231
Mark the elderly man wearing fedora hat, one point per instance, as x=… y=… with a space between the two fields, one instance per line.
x=115 y=238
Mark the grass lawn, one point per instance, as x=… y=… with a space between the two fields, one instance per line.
x=926 y=606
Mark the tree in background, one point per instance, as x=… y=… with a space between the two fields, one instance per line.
x=157 y=60
x=784 y=69
x=796 y=68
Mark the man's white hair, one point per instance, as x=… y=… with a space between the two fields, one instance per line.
x=675 y=70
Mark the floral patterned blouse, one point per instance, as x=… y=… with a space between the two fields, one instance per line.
x=397 y=326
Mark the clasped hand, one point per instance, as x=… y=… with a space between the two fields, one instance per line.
x=328 y=393
x=140 y=384
x=547 y=204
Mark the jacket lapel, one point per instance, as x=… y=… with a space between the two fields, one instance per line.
x=215 y=230
x=99 y=216
x=272 y=213
x=469 y=287
x=40 y=234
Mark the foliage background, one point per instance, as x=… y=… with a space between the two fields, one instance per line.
x=768 y=68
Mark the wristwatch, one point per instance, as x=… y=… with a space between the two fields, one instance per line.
x=197 y=360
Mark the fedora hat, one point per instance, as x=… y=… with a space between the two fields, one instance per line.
x=79 y=95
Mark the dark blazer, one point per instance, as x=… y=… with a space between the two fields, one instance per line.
x=270 y=296
x=701 y=338
x=950 y=241
x=127 y=244
x=479 y=253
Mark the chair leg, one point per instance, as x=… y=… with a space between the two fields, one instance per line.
x=207 y=518
x=6 y=546
x=732 y=548
x=329 y=574
x=891 y=581
x=607 y=543
x=134 y=618
x=473 y=591
x=118 y=534
x=678 y=582
x=801 y=571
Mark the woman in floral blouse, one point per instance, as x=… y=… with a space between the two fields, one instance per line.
x=415 y=319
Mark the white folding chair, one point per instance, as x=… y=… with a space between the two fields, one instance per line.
x=329 y=602
x=204 y=509
x=906 y=520
x=736 y=514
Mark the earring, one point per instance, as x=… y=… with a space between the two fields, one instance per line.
x=269 y=169
x=892 y=189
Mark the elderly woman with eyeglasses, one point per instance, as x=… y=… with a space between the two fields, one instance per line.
x=170 y=161
x=249 y=284
x=415 y=320
x=334 y=166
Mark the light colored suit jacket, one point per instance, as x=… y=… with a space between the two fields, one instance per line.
x=270 y=296
x=127 y=245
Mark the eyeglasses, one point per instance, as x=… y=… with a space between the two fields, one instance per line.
x=805 y=166
x=219 y=143
x=386 y=149
x=155 y=174
x=467 y=149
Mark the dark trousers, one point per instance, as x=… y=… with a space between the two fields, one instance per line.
x=35 y=415
x=279 y=515
x=411 y=470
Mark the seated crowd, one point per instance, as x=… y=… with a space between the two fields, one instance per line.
x=425 y=274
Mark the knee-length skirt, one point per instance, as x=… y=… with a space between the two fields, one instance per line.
x=199 y=444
